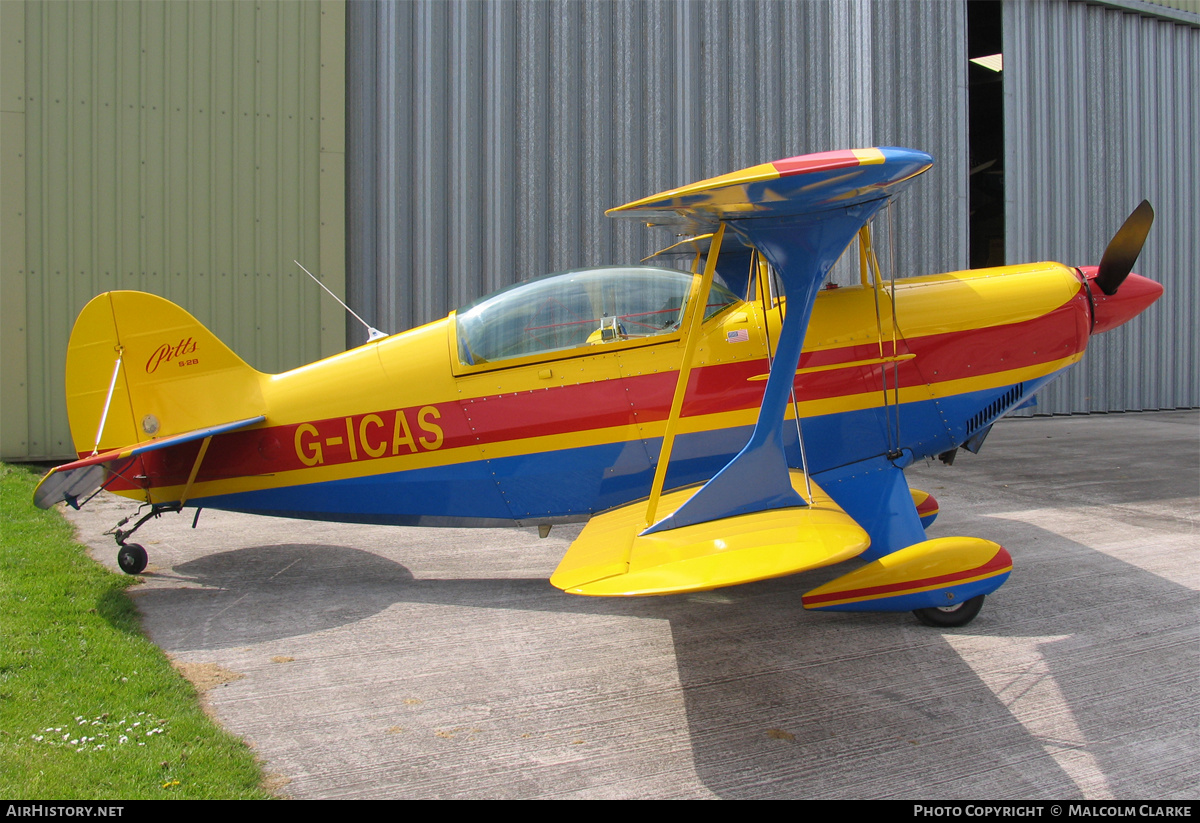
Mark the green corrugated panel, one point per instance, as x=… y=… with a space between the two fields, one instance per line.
x=168 y=147
x=330 y=188
x=1192 y=6
x=14 y=382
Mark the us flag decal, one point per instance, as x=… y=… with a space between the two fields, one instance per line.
x=739 y=336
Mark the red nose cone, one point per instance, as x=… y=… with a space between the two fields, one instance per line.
x=1131 y=299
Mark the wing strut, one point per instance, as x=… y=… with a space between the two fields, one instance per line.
x=685 y=369
x=195 y=470
x=895 y=451
x=758 y=478
x=868 y=258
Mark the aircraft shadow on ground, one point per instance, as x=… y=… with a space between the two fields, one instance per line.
x=1052 y=692
x=1047 y=694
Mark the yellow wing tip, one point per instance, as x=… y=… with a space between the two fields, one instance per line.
x=753 y=174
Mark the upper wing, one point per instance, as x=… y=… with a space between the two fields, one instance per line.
x=800 y=213
x=71 y=481
x=825 y=182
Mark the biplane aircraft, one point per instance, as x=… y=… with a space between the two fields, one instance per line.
x=710 y=427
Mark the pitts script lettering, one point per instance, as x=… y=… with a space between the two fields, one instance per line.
x=166 y=353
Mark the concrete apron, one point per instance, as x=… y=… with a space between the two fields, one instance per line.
x=377 y=662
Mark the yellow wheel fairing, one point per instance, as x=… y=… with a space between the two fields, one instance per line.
x=926 y=566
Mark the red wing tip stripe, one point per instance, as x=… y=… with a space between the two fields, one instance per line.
x=1000 y=564
x=95 y=459
x=928 y=506
x=821 y=161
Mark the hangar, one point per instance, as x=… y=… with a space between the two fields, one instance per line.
x=419 y=155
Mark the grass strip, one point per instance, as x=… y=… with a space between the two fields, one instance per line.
x=89 y=707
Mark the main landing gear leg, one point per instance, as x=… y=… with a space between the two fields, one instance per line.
x=132 y=557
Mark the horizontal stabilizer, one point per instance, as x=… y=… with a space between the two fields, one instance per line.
x=71 y=481
x=611 y=558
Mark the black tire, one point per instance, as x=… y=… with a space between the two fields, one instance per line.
x=949 y=617
x=132 y=558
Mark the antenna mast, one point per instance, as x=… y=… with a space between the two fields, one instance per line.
x=372 y=332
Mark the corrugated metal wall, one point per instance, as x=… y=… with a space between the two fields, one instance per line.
x=194 y=149
x=186 y=149
x=1101 y=108
x=485 y=140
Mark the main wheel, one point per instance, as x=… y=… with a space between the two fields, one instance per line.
x=946 y=617
x=132 y=558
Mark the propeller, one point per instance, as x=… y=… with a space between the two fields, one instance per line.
x=1124 y=248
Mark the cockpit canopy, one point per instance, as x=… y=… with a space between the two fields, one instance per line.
x=578 y=308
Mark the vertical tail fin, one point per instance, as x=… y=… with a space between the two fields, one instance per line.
x=174 y=375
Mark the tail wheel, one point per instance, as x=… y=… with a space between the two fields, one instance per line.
x=949 y=617
x=132 y=558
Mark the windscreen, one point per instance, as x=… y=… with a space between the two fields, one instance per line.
x=575 y=309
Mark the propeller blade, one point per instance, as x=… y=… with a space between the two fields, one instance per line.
x=1124 y=248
